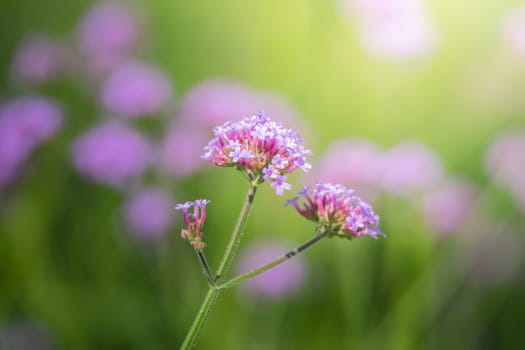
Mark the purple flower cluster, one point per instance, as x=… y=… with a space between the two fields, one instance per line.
x=112 y=153
x=259 y=147
x=337 y=211
x=194 y=221
x=24 y=124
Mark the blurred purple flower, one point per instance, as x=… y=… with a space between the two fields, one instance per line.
x=181 y=149
x=108 y=34
x=494 y=256
x=355 y=163
x=149 y=212
x=37 y=118
x=446 y=208
x=281 y=280
x=215 y=101
x=514 y=30
x=259 y=147
x=112 y=153
x=38 y=59
x=25 y=335
x=24 y=124
x=136 y=89
x=397 y=29
x=14 y=150
x=408 y=167
x=505 y=159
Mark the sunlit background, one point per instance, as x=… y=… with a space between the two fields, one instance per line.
x=105 y=108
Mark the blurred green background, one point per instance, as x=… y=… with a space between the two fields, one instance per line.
x=69 y=266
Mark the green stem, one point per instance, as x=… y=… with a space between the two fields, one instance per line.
x=237 y=232
x=213 y=292
x=205 y=267
x=241 y=278
x=200 y=319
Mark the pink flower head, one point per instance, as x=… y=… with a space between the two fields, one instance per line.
x=259 y=147
x=112 y=153
x=38 y=60
x=148 y=212
x=194 y=221
x=447 y=207
x=108 y=34
x=408 y=167
x=337 y=211
x=279 y=281
x=136 y=89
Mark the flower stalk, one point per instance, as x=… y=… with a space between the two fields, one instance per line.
x=246 y=276
x=235 y=238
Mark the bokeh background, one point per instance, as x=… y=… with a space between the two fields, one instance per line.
x=105 y=108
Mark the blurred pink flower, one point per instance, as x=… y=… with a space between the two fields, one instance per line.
x=397 y=29
x=38 y=59
x=514 y=30
x=282 y=280
x=215 y=101
x=181 y=149
x=149 y=212
x=112 y=153
x=136 y=89
x=108 y=34
x=37 y=118
x=354 y=163
x=24 y=124
x=495 y=257
x=505 y=158
x=408 y=167
x=446 y=207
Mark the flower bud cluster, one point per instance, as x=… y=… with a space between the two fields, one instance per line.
x=194 y=221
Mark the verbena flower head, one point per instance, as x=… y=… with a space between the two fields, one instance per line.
x=337 y=211
x=259 y=147
x=193 y=221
